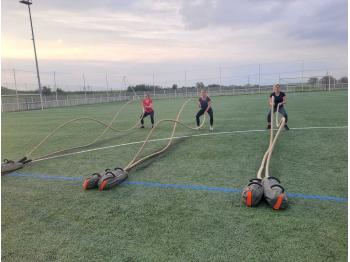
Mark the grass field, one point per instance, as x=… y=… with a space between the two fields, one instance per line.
x=56 y=220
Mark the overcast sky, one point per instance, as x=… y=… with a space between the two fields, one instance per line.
x=137 y=38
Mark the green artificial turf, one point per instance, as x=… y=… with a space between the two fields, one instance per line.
x=53 y=220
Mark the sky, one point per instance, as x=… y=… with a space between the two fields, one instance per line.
x=174 y=41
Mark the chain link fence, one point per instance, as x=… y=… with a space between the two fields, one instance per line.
x=71 y=88
x=24 y=102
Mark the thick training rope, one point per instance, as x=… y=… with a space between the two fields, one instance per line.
x=107 y=127
x=272 y=146
x=269 y=187
x=277 y=120
x=268 y=153
x=133 y=162
x=110 y=178
x=10 y=165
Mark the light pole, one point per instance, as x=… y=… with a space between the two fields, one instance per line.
x=28 y=3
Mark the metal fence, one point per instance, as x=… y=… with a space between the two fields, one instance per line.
x=31 y=101
x=75 y=86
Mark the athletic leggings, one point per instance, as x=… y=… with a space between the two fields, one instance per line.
x=201 y=112
x=281 y=110
x=151 y=114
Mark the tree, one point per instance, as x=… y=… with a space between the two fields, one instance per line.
x=328 y=80
x=46 y=91
x=142 y=88
x=200 y=85
x=174 y=86
x=60 y=91
x=343 y=80
x=312 y=80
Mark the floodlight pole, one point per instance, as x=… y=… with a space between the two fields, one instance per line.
x=186 y=82
x=28 y=3
x=302 y=75
x=14 y=78
x=220 y=82
x=107 y=86
x=84 y=86
x=259 y=80
x=55 y=86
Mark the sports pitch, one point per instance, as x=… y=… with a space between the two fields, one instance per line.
x=184 y=205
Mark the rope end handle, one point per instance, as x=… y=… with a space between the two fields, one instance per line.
x=24 y=160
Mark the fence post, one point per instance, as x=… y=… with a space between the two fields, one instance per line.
x=14 y=78
x=27 y=104
x=186 y=82
x=259 y=78
x=54 y=81
x=220 y=82
x=302 y=76
x=84 y=86
x=329 y=83
x=45 y=99
x=154 y=87
x=106 y=88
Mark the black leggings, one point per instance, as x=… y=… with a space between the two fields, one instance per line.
x=201 y=112
x=281 y=110
x=151 y=114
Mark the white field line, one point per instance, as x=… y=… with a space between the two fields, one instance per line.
x=179 y=137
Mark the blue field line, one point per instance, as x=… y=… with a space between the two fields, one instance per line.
x=178 y=186
x=324 y=198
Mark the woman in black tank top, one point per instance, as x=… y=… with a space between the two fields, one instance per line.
x=277 y=98
x=204 y=103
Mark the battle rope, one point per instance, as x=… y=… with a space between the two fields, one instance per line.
x=110 y=178
x=269 y=187
x=8 y=166
x=277 y=111
x=133 y=162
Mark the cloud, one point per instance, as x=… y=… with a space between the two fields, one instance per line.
x=230 y=13
x=174 y=34
x=313 y=19
x=326 y=22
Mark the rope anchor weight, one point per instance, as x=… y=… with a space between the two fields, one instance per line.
x=274 y=193
x=106 y=180
x=253 y=193
x=10 y=165
x=269 y=187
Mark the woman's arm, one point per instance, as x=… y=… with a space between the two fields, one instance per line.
x=284 y=100
x=209 y=106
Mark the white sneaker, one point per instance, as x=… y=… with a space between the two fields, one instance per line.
x=211 y=128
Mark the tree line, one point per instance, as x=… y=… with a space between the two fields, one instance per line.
x=46 y=90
